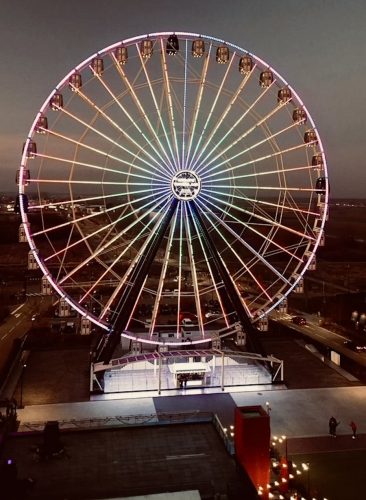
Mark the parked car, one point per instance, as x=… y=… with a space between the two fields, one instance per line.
x=358 y=347
x=299 y=320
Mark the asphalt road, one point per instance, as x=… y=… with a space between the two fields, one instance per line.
x=19 y=322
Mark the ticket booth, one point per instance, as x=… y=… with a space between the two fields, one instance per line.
x=192 y=374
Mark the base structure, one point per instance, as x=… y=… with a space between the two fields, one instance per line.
x=185 y=369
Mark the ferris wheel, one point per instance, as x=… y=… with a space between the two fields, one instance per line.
x=173 y=178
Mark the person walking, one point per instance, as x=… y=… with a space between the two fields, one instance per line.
x=333 y=424
x=354 y=429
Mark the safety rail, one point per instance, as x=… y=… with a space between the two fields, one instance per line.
x=159 y=418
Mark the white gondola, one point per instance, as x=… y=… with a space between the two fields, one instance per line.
x=46 y=286
x=266 y=78
x=299 y=115
x=32 y=262
x=222 y=54
x=85 y=326
x=146 y=48
x=121 y=55
x=198 y=47
x=97 y=66
x=75 y=81
x=56 y=101
x=22 y=237
x=63 y=308
x=246 y=65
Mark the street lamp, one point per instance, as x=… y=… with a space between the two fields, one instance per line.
x=21 y=385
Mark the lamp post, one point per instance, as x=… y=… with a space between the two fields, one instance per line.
x=24 y=366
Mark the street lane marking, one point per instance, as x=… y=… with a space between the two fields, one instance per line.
x=179 y=457
x=17 y=309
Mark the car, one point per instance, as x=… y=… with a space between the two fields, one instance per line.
x=299 y=320
x=187 y=322
x=358 y=347
x=212 y=314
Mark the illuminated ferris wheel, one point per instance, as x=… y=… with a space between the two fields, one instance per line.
x=173 y=178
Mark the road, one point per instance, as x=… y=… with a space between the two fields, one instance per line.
x=331 y=339
x=19 y=322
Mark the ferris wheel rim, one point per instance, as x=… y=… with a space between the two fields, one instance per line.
x=105 y=51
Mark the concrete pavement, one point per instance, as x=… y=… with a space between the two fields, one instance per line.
x=294 y=413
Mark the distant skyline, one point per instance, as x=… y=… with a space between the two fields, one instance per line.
x=318 y=46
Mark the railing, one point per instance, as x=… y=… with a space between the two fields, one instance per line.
x=160 y=418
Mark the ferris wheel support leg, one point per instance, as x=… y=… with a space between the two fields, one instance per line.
x=253 y=341
x=132 y=290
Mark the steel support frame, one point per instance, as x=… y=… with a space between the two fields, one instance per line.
x=132 y=290
x=231 y=293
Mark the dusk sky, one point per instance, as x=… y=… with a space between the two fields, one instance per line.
x=318 y=46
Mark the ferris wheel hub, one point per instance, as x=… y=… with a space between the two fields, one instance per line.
x=186 y=185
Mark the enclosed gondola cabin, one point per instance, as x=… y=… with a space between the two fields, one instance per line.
x=121 y=55
x=284 y=95
x=56 y=101
x=41 y=125
x=310 y=137
x=299 y=115
x=246 y=65
x=172 y=45
x=198 y=47
x=321 y=185
x=146 y=48
x=31 y=149
x=222 y=54
x=24 y=180
x=75 y=81
x=317 y=161
x=21 y=199
x=97 y=66
x=266 y=78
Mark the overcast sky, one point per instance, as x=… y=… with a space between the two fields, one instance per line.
x=318 y=46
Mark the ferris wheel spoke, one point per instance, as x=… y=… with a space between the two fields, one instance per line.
x=114 y=124
x=250 y=148
x=223 y=116
x=163 y=274
x=108 y=139
x=266 y=203
x=79 y=200
x=157 y=215
x=109 y=269
x=157 y=109
x=204 y=161
x=250 y=248
x=143 y=114
x=96 y=254
x=161 y=162
x=168 y=94
x=213 y=106
x=98 y=231
x=95 y=167
x=100 y=152
x=265 y=219
x=180 y=265
x=203 y=209
x=250 y=227
x=209 y=267
x=193 y=270
x=254 y=161
x=198 y=104
x=184 y=105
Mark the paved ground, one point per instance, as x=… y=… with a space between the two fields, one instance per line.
x=135 y=461
x=301 y=412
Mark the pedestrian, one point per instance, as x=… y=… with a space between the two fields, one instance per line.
x=354 y=429
x=333 y=424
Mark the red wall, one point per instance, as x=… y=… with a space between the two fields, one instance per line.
x=252 y=442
